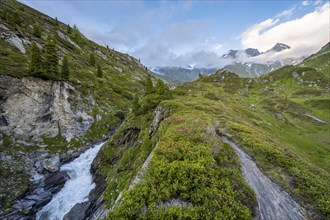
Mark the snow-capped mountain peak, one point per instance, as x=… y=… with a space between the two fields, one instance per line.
x=279 y=47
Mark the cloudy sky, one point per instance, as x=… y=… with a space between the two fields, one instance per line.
x=180 y=33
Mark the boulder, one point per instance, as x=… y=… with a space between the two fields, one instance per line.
x=78 y=212
x=52 y=164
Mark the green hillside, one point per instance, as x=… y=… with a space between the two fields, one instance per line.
x=123 y=77
x=280 y=119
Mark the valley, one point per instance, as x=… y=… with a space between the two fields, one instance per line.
x=106 y=138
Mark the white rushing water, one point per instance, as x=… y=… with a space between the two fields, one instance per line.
x=75 y=190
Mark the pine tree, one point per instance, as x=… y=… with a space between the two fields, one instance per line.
x=65 y=71
x=68 y=29
x=136 y=104
x=92 y=59
x=51 y=58
x=37 y=30
x=16 y=17
x=36 y=61
x=149 y=85
x=99 y=71
x=5 y=15
x=56 y=21
x=162 y=89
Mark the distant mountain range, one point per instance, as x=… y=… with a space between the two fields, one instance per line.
x=180 y=75
x=253 y=52
x=241 y=64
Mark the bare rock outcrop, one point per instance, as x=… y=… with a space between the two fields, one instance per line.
x=32 y=108
x=159 y=114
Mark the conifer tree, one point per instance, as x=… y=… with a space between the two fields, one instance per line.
x=56 y=21
x=51 y=58
x=16 y=17
x=92 y=59
x=65 y=71
x=36 y=60
x=162 y=89
x=149 y=85
x=136 y=104
x=69 y=29
x=37 y=30
x=99 y=71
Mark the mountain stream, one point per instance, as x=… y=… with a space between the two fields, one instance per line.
x=75 y=190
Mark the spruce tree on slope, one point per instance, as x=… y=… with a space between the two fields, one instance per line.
x=149 y=85
x=99 y=71
x=36 y=61
x=92 y=59
x=51 y=58
x=65 y=71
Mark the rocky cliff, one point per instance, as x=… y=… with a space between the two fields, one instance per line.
x=31 y=108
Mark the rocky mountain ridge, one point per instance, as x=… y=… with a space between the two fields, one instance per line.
x=239 y=64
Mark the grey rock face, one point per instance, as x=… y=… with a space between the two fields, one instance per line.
x=77 y=212
x=118 y=69
x=68 y=39
x=102 y=55
x=40 y=194
x=12 y=38
x=159 y=114
x=31 y=108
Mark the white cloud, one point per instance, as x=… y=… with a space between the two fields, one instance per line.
x=286 y=13
x=217 y=47
x=305 y=35
x=249 y=37
x=305 y=3
x=317 y=2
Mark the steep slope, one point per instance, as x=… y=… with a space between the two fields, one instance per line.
x=45 y=120
x=319 y=61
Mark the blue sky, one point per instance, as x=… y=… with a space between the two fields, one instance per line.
x=191 y=32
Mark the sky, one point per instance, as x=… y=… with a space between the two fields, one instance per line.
x=180 y=33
